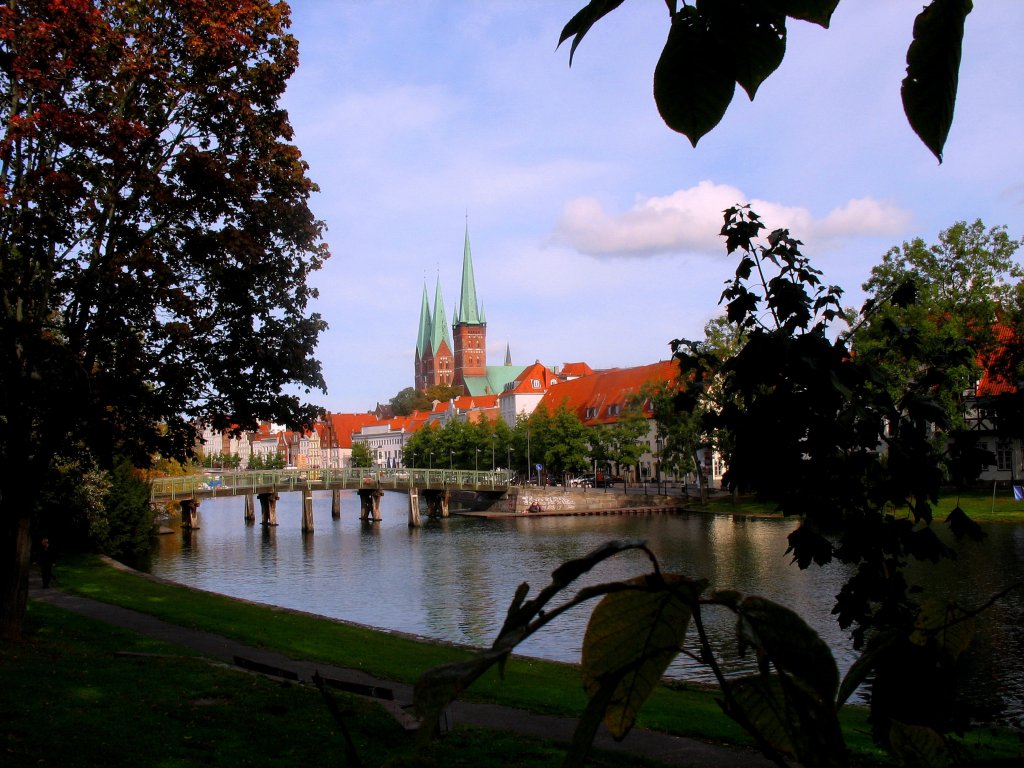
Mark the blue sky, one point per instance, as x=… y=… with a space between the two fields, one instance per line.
x=593 y=226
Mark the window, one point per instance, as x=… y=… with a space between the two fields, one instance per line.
x=614 y=410
x=535 y=383
x=591 y=413
x=1004 y=456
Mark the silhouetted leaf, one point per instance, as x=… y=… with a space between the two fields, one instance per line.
x=571 y=570
x=760 y=701
x=815 y=11
x=788 y=720
x=962 y=526
x=584 y=19
x=786 y=640
x=866 y=662
x=933 y=66
x=918 y=745
x=945 y=626
x=693 y=81
x=630 y=640
x=753 y=37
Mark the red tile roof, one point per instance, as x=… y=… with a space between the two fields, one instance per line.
x=575 y=370
x=344 y=424
x=523 y=383
x=996 y=365
x=591 y=396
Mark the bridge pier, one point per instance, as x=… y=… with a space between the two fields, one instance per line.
x=268 y=506
x=414 y=508
x=369 y=504
x=190 y=513
x=335 y=505
x=307 y=511
x=437 y=502
x=250 y=509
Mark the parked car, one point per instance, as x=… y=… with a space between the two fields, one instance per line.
x=600 y=480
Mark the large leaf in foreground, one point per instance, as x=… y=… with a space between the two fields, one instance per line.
x=631 y=638
x=780 y=636
x=933 y=67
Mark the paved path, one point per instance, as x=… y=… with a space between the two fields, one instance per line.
x=671 y=750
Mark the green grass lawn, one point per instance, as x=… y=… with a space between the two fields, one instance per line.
x=980 y=506
x=79 y=693
x=69 y=667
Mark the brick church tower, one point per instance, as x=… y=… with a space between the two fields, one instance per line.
x=469 y=328
x=441 y=359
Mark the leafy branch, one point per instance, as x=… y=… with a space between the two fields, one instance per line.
x=639 y=626
x=715 y=45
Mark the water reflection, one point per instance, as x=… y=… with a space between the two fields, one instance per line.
x=453 y=579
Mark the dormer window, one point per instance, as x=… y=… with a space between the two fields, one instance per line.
x=591 y=413
x=535 y=383
x=614 y=410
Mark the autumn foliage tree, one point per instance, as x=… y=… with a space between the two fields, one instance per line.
x=155 y=239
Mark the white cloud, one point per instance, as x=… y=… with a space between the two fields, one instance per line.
x=688 y=221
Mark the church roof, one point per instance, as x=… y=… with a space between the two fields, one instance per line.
x=493 y=383
x=439 y=332
x=469 y=310
x=423 y=340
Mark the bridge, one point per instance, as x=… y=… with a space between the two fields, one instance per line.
x=267 y=485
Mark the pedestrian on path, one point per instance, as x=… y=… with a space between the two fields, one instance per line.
x=45 y=560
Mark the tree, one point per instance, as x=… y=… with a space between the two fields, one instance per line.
x=950 y=296
x=625 y=438
x=361 y=456
x=565 y=443
x=715 y=45
x=155 y=239
x=409 y=400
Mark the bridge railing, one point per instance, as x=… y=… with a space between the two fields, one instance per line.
x=235 y=483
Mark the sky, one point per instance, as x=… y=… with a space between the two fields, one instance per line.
x=593 y=226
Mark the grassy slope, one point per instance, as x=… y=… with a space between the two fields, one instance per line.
x=79 y=693
x=532 y=684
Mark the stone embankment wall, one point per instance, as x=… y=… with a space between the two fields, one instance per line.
x=573 y=501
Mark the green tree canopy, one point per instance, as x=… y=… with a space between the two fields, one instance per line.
x=155 y=239
x=409 y=400
x=945 y=299
x=361 y=456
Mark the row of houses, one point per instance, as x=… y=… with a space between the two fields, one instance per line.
x=597 y=397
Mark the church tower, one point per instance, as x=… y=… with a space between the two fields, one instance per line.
x=434 y=359
x=469 y=328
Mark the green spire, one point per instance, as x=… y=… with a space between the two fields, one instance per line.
x=423 y=340
x=440 y=329
x=469 y=312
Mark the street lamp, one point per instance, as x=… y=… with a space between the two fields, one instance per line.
x=430 y=464
x=529 y=467
x=492 y=451
x=476 y=464
x=451 y=459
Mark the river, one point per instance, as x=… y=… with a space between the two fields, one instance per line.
x=453 y=579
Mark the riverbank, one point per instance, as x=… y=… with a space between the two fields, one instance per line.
x=530 y=685
x=981 y=505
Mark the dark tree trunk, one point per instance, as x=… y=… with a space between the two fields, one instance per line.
x=15 y=556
